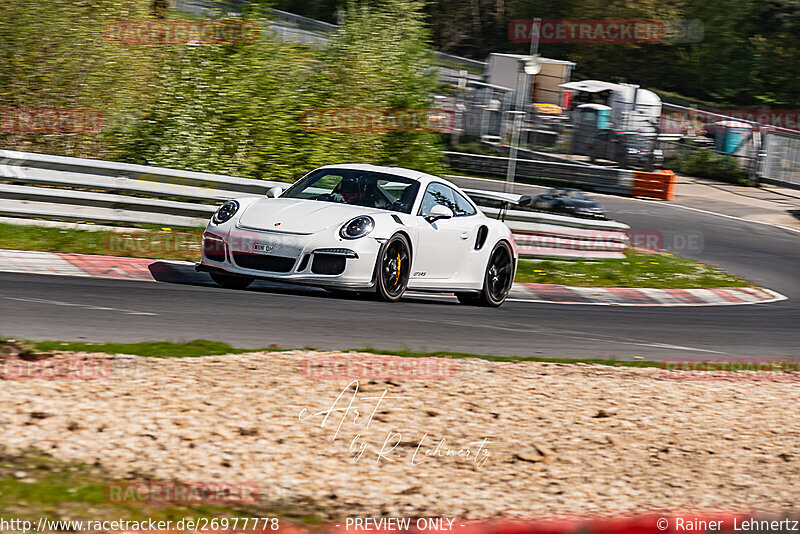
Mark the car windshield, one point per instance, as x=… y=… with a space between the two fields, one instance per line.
x=575 y=194
x=635 y=140
x=358 y=188
x=567 y=193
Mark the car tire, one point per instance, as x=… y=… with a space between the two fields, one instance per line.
x=393 y=269
x=229 y=281
x=498 y=278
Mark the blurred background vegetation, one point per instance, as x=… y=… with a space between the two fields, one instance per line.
x=749 y=56
x=233 y=109
x=236 y=109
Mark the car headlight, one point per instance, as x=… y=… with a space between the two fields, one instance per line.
x=357 y=227
x=225 y=212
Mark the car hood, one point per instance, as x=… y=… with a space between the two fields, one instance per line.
x=298 y=216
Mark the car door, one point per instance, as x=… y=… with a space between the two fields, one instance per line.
x=443 y=245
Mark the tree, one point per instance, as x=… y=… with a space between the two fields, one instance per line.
x=378 y=60
x=54 y=55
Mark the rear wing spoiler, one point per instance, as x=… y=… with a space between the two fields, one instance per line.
x=505 y=199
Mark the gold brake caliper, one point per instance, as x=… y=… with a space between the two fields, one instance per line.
x=397 y=276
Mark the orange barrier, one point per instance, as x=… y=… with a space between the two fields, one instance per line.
x=654 y=185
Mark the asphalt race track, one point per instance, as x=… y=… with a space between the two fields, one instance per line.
x=71 y=308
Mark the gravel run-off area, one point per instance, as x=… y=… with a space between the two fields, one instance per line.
x=560 y=439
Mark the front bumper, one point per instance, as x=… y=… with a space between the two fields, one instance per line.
x=321 y=259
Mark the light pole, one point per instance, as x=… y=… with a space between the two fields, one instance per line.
x=535 y=31
x=529 y=67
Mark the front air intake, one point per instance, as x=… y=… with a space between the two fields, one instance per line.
x=328 y=264
x=264 y=262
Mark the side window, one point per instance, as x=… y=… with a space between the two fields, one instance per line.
x=463 y=207
x=437 y=194
x=446 y=196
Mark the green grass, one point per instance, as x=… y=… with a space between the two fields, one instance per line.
x=405 y=353
x=201 y=347
x=158 y=349
x=34 y=485
x=636 y=270
x=183 y=244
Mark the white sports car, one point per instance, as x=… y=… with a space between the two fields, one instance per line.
x=366 y=228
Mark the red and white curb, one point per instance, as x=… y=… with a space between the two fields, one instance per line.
x=94 y=266
x=635 y=296
x=121 y=268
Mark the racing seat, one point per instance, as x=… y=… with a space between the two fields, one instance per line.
x=406 y=200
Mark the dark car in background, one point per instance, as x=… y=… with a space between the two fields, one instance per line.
x=569 y=201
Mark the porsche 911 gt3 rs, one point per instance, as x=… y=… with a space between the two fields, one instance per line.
x=365 y=228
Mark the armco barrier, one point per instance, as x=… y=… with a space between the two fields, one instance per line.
x=558 y=236
x=590 y=177
x=59 y=188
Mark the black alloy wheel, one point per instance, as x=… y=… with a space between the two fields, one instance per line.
x=497 y=281
x=393 y=269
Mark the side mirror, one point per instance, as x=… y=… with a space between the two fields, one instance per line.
x=275 y=192
x=439 y=212
x=525 y=200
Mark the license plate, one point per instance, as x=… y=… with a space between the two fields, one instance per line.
x=263 y=247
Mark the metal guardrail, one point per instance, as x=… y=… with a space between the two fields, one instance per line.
x=77 y=189
x=57 y=188
x=594 y=178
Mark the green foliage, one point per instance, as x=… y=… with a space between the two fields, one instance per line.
x=378 y=60
x=748 y=56
x=232 y=109
x=53 y=55
x=709 y=164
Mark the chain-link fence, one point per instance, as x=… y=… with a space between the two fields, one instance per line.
x=781 y=158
